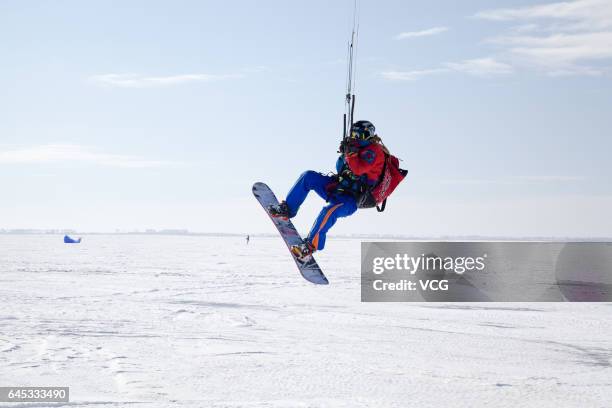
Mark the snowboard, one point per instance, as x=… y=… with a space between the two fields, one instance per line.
x=307 y=266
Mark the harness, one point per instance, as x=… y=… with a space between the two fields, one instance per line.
x=349 y=183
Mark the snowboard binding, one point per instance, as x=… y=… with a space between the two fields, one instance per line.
x=303 y=251
x=280 y=210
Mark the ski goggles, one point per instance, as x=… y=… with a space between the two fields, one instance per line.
x=361 y=134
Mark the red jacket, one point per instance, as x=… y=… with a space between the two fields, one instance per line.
x=368 y=160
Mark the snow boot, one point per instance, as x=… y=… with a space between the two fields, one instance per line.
x=303 y=250
x=280 y=210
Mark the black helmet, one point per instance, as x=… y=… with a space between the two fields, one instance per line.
x=362 y=130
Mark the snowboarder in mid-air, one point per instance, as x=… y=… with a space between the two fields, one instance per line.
x=358 y=168
x=366 y=175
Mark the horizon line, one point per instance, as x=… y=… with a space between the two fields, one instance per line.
x=470 y=237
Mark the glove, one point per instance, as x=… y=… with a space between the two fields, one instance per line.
x=342 y=146
x=349 y=148
x=330 y=188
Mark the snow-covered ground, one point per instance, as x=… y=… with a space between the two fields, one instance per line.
x=161 y=321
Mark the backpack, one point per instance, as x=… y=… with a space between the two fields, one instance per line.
x=389 y=179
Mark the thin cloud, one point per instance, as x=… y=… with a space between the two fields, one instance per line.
x=477 y=67
x=422 y=33
x=560 y=50
x=143 y=81
x=557 y=39
x=564 y=38
x=481 y=67
x=550 y=179
x=580 y=14
x=410 y=75
x=68 y=153
x=526 y=28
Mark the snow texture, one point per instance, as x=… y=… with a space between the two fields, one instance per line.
x=185 y=321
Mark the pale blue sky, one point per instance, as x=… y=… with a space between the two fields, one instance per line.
x=160 y=114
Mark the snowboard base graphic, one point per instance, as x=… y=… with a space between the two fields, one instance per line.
x=307 y=266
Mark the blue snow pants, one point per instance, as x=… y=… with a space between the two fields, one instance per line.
x=340 y=205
